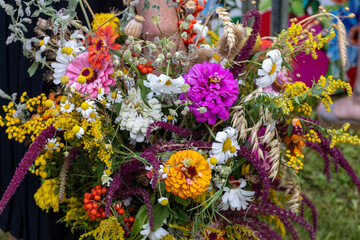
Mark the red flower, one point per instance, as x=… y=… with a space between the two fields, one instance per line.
x=100 y=45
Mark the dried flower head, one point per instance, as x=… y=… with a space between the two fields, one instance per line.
x=134 y=27
x=199 y=56
x=238 y=38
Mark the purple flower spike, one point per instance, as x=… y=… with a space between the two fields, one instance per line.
x=33 y=152
x=213 y=90
x=64 y=170
x=313 y=210
x=111 y=192
x=151 y=157
x=183 y=132
x=250 y=43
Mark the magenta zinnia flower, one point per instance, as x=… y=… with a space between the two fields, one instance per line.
x=213 y=88
x=95 y=78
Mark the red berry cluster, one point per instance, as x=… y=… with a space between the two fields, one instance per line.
x=191 y=34
x=128 y=220
x=145 y=68
x=91 y=203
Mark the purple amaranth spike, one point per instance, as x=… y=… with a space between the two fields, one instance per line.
x=111 y=192
x=270 y=208
x=325 y=156
x=263 y=174
x=183 y=132
x=313 y=210
x=151 y=157
x=64 y=170
x=147 y=200
x=250 y=42
x=291 y=229
x=30 y=156
x=302 y=208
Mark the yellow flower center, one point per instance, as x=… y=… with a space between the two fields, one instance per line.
x=170 y=118
x=67 y=106
x=232 y=149
x=273 y=68
x=168 y=83
x=92 y=115
x=88 y=73
x=49 y=103
x=42 y=42
x=69 y=51
x=214 y=79
x=165 y=170
x=99 y=90
x=76 y=129
x=63 y=99
x=114 y=95
x=85 y=105
x=213 y=160
x=51 y=145
x=164 y=202
x=64 y=80
x=81 y=79
x=227 y=145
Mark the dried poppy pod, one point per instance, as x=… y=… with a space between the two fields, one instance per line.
x=190 y=6
x=134 y=27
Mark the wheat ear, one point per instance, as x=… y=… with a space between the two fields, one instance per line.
x=228 y=26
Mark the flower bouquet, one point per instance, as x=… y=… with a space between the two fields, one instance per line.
x=142 y=140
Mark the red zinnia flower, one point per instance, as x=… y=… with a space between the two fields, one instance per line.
x=100 y=45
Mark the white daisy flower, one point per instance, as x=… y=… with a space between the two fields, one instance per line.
x=78 y=131
x=157 y=234
x=67 y=106
x=43 y=43
x=86 y=108
x=163 y=201
x=62 y=61
x=270 y=67
x=164 y=171
x=114 y=97
x=52 y=144
x=199 y=28
x=164 y=84
x=136 y=116
x=73 y=87
x=236 y=198
x=225 y=145
x=93 y=116
x=106 y=179
x=101 y=93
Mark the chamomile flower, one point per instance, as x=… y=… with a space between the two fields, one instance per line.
x=43 y=43
x=78 y=131
x=163 y=201
x=164 y=84
x=164 y=171
x=52 y=144
x=86 y=108
x=93 y=116
x=270 y=67
x=225 y=145
x=115 y=97
x=101 y=93
x=153 y=234
x=67 y=106
x=237 y=198
x=106 y=179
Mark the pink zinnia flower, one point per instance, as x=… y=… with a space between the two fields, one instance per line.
x=213 y=88
x=95 y=78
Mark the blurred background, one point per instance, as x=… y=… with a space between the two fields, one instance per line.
x=337 y=201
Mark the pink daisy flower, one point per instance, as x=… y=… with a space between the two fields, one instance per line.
x=95 y=78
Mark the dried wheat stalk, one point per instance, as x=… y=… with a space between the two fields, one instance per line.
x=228 y=26
x=343 y=43
x=292 y=188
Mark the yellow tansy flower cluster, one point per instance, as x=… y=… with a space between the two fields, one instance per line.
x=109 y=229
x=313 y=137
x=305 y=108
x=342 y=136
x=189 y=174
x=45 y=196
x=295 y=161
x=295 y=89
x=327 y=87
x=318 y=42
x=105 y=19
x=40 y=164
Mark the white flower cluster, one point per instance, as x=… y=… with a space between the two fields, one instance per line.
x=135 y=116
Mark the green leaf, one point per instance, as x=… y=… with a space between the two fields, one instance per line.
x=161 y=213
x=181 y=217
x=297 y=8
x=146 y=5
x=290 y=129
x=256 y=55
x=296 y=99
x=139 y=222
x=33 y=68
x=182 y=201
x=143 y=91
x=288 y=66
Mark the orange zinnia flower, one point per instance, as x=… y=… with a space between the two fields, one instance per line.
x=100 y=44
x=296 y=143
